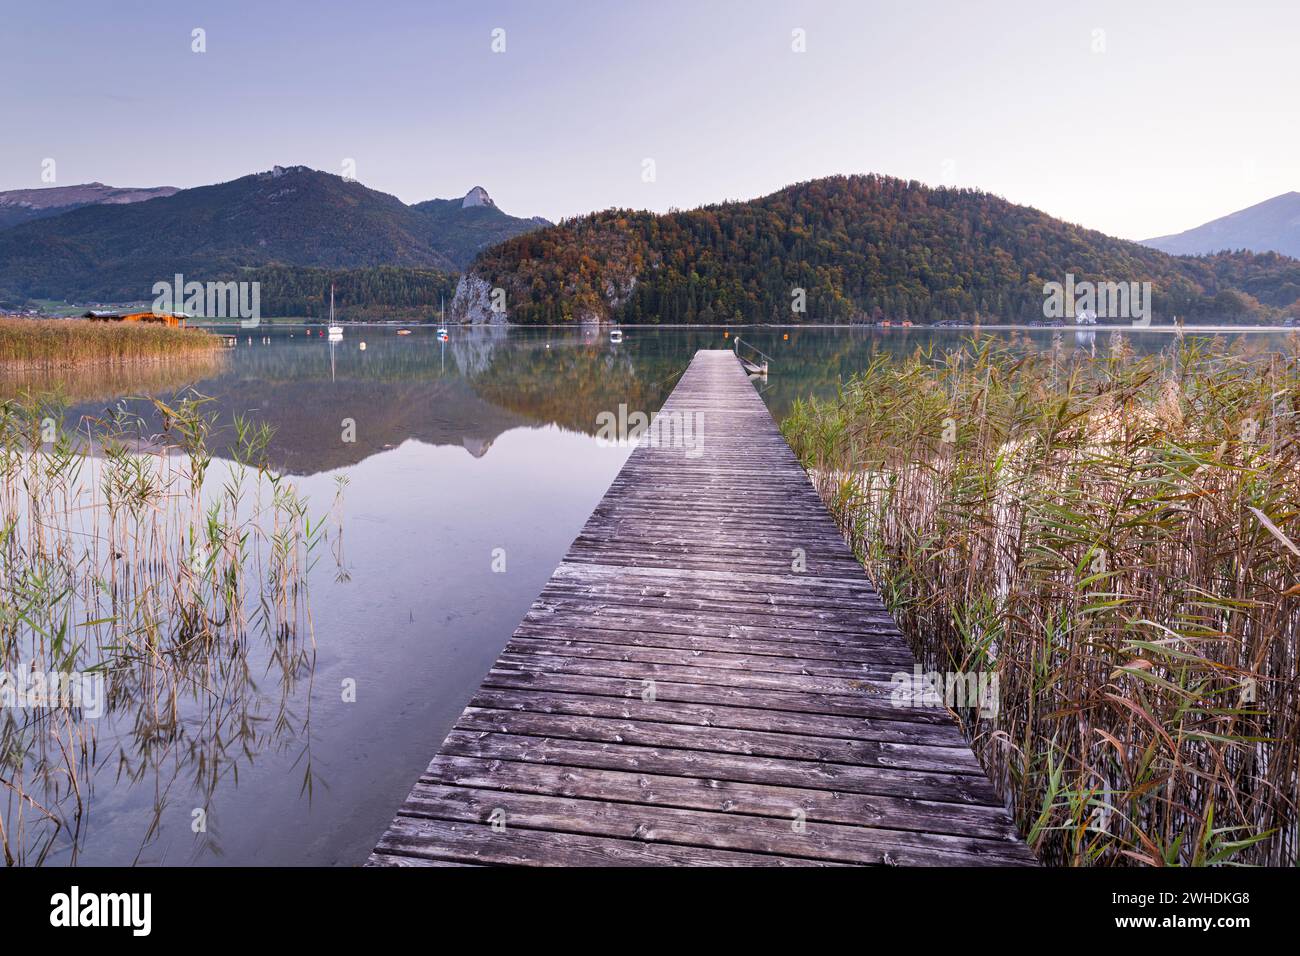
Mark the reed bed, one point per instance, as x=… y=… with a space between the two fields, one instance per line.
x=170 y=573
x=54 y=343
x=1117 y=540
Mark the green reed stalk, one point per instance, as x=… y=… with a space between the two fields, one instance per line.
x=120 y=555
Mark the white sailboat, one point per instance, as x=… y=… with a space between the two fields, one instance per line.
x=336 y=331
x=442 y=324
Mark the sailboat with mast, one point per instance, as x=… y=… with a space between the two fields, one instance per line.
x=336 y=330
x=442 y=323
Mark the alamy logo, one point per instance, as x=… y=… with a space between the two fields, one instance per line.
x=210 y=300
x=1102 y=300
x=75 y=908
x=975 y=689
x=662 y=430
x=63 y=689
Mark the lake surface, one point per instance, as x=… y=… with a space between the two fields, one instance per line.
x=455 y=455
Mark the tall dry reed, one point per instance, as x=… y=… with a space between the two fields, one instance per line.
x=1118 y=540
x=53 y=343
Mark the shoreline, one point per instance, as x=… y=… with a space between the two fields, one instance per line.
x=287 y=322
x=8 y=366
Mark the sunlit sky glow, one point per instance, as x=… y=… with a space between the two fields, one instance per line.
x=1190 y=112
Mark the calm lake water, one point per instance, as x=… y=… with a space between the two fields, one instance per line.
x=460 y=448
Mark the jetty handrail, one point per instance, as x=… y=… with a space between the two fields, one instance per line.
x=765 y=356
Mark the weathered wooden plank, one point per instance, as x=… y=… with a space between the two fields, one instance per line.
x=724 y=796
x=874 y=640
x=864 y=686
x=645 y=614
x=909 y=755
x=739 y=584
x=917 y=784
x=391 y=859
x=867 y=650
x=777 y=701
x=701 y=627
x=566 y=647
x=707 y=679
x=792 y=838
x=791 y=614
x=479 y=843
x=936 y=734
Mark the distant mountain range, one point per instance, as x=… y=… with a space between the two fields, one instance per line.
x=1270 y=226
x=22 y=205
x=109 y=249
x=849 y=248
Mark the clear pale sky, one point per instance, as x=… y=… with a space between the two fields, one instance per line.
x=1190 y=112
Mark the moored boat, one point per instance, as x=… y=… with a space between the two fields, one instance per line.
x=335 y=330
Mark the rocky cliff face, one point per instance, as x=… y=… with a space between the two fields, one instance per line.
x=473 y=302
x=478 y=196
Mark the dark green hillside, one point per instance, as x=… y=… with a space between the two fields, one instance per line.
x=294 y=216
x=376 y=292
x=462 y=232
x=288 y=217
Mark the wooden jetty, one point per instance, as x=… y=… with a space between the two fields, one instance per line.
x=704 y=680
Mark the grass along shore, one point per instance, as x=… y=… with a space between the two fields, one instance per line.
x=177 y=577
x=27 y=344
x=1118 y=540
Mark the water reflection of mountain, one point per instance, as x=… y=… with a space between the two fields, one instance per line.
x=465 y=392
x=487 y=380
x=570 y=386
x=307 y=390
x=311 y=418
x=334 y=405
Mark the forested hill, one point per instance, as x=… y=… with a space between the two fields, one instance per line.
x=862 y=247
